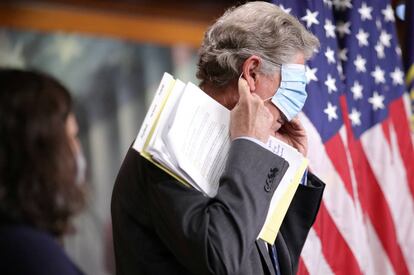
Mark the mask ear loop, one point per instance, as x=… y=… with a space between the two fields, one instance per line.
x=267 y=99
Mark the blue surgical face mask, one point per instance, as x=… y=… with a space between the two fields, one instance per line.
x=291 y=95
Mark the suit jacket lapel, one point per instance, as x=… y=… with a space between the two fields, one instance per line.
x=261 y=245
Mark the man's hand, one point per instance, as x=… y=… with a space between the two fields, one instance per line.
x=294 y=134
x=250 y=117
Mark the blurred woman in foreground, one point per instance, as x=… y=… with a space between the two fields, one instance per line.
x=40 y=173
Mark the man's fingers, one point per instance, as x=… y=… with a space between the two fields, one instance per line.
x=244 y=90
x=269 y=117
x=296 y=125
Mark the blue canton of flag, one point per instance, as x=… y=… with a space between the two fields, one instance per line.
x=373 y=78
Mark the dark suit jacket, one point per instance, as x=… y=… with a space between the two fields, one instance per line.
x=163 y=227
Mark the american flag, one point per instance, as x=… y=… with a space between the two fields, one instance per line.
x=359 y=140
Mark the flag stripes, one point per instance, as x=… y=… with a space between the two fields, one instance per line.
x=373 y=201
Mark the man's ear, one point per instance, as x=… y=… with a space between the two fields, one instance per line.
x=250 y=69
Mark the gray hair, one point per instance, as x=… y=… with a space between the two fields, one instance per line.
x=255 y=28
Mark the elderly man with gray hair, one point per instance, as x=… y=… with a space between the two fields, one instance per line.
x=252 y=62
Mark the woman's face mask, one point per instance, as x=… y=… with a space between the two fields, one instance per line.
x=81 y=166
x=72 y=131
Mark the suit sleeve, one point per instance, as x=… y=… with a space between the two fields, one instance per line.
x=216 y=235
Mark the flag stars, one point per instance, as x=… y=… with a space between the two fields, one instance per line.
x=378 y=24
x=330 y=55
x=397 y=77
x=388 y=13
x=330 y=111
x=362 y=38
x=356 y=90
x=287 y=10
x=329 y=29
x=342 y=4
x=310 y=18
x=355 y=117
x=330 y=83
x=343 y=28
x=343 y=54
x=311 y=74
x=385 y=39
x=340 y=71
x=377 y=101
x=378 y=75
x=360 y=63
x=379 y=48
x=398 y=51
x=365 y=12
x=328 y=3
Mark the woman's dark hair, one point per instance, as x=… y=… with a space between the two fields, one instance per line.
x=37 y=164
